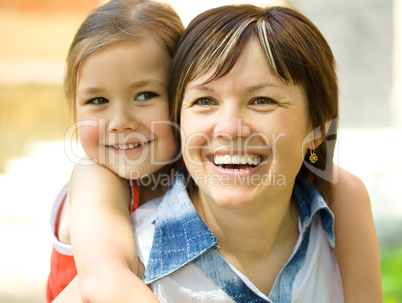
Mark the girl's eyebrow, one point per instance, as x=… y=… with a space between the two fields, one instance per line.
x=135 y=85
x=142 y=83
x=89 y=90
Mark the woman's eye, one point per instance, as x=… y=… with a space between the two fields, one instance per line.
x=204 y=102
x=263 y=101
x=98 y=101
x=146 y=96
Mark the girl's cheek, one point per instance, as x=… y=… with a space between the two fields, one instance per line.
x=89 y=138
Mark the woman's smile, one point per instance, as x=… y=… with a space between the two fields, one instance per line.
x=241 y=129
x=236 y=162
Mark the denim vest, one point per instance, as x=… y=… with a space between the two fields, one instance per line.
x=185 y=248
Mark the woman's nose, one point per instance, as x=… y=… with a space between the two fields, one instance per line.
x=232 y=123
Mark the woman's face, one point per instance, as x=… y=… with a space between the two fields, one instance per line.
x=243 y=134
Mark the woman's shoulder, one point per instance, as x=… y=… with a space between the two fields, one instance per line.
x=356 y=241
x=352 y=210
x=351 y=207
x=349 y=190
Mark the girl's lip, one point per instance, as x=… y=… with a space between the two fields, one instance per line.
x=129 y=148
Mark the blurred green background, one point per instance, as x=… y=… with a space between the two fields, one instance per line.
x=391 y=267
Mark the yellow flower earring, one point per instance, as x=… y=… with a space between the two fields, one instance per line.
x=313 y=156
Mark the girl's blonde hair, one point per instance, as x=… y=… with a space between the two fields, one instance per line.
x=116 y=21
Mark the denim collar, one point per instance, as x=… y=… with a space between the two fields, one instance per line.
x=181 y=236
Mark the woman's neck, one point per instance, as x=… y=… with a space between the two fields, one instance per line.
x=236 y=226
x=254 y=240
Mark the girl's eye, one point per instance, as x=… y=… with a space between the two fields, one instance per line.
x=204 y=102
x=146 y=96
x=98 y=101
x=263 y=101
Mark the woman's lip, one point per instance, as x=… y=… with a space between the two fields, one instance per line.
x=234 y=152
x=233 y=173
x=237 y=158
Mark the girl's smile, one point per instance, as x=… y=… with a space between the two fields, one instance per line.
x=129 y=148
x=123 y=89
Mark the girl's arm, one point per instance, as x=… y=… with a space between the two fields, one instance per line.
x=356 y=248
x=102 y=238
x=71 y=294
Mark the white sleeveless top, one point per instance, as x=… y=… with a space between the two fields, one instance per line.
x=317 y=278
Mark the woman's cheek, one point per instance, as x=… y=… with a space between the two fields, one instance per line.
x=194 y=147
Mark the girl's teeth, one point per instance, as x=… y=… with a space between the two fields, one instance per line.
x=129 y=146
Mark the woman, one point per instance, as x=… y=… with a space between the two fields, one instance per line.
x=255 y=93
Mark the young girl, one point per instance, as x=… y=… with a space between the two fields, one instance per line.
x=116 y=81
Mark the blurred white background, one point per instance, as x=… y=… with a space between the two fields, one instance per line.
x=365 y=36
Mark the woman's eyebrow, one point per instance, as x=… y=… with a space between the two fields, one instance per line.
x=262 y=86
x=200 y=87
x=249 y=89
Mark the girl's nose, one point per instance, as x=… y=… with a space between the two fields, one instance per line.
x=122 y=120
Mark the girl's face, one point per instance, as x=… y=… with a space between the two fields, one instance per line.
x=243 y=134
x=122 y=108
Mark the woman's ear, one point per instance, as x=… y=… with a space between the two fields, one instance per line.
x=313 y=139
x=314 y=143
x=316 y=136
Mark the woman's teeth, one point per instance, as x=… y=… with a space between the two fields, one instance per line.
x=248 y=160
